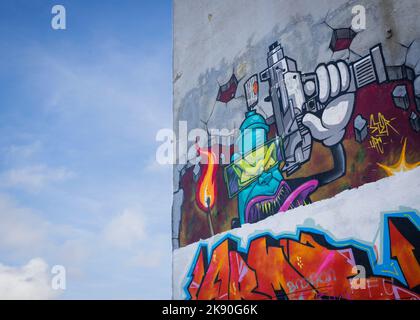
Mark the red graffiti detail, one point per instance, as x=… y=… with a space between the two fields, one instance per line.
x=227 y=91
x=403 y=251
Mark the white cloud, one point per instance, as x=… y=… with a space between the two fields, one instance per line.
x=33 y=178
x=126 y=229
x=31 y=281
x=18 y=152
x=20 y=228
x=25 y=233
x=146 y=259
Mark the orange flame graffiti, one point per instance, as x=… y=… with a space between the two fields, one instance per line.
x=206 y=191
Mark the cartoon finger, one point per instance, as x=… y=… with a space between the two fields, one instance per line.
x=324 y=83
x=335 y=80
x=338 y=112
x=344 y=74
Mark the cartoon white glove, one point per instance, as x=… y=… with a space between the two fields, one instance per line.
x=334 y=82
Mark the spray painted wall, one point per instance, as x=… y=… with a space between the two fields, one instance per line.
x=299 y=102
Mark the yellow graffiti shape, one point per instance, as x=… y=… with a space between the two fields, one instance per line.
x=401 y=165
x=377 y=144
x=381 y=126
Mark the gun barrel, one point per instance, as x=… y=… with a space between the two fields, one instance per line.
x=370 y=69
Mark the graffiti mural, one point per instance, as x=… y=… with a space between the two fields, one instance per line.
x=345 y=124
x=312 y=103
x=311 y=265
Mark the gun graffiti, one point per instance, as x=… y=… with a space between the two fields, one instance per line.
x=302 y=102
x=310 y=265
x=306 y=107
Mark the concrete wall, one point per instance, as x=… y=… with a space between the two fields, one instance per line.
x=364 y=131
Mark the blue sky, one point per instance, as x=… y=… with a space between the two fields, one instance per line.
x=79 y=112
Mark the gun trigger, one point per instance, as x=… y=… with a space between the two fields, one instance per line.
x=267 y=99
